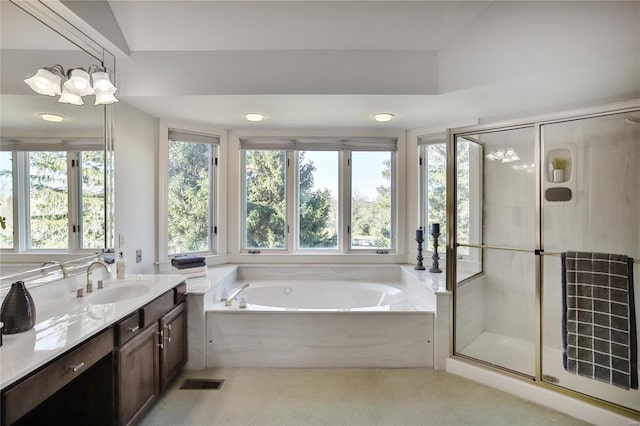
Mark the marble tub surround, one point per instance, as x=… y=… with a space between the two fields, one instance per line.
x=64 y=320
x=264 y=337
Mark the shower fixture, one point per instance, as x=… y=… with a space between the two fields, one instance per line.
x=74 y=84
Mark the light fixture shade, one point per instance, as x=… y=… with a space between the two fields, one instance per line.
x=70 y=98
x=105 y=97
x=44 y=82
x=78 y=82
x=383 y=117
x=101 y=82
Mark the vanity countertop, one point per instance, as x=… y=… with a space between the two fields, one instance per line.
x=63 y=320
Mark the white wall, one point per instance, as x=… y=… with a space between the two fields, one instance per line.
x=136 y=136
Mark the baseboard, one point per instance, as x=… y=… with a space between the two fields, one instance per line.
x=545 y=397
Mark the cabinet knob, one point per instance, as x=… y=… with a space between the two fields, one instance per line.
x=76 y=367
x=134 y=329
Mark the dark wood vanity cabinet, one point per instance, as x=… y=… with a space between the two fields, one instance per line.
x=112 y=378
x=74 y=389
x=151 y=354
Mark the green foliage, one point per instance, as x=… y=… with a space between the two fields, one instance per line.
x=436 y=192
x=265 y=199
x=371 y=220
x=559 y=163
x=188 y=197
x=316 y=230
x=93 y=200
x=49 y=199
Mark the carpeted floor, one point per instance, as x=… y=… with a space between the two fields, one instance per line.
x=252 y=396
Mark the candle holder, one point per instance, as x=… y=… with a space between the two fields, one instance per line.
x=435 y=267
x=419 y=258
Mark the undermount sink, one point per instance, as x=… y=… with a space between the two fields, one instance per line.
x=117 y=293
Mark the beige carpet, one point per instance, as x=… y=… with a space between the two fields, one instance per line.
x=251 y=396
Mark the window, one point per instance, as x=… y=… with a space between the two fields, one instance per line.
x=345 y=183
x=435 y=187
x=92 y=199
x=264 y=195
x=318 y=205
x=191 y=192
x=62 y=194
x=434 y=156
x=371 y=224
x=48 y=200
x=6 y=200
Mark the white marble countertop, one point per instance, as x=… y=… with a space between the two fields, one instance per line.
x=63 y=321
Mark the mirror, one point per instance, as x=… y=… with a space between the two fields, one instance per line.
x=56 y=197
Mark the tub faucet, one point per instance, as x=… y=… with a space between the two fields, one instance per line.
x=234 y=295
x=90 y=273
x=53 y=262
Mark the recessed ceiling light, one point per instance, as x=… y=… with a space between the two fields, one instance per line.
x=254 y=116
x=52 y=118
x=383 y=117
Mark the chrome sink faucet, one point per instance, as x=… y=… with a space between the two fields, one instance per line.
x=53 y=262
x=90 y=273
x=234 y=295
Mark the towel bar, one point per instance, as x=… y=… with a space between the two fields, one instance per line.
x=543 y=253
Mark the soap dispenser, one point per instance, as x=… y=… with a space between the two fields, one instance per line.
x=121 y=267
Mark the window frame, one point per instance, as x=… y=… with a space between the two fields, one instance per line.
x=348 y=218
x=21 y=184
x=288 y=189
x=475 y=198
x=344 y=208
x=218 y=185
x=211 y=217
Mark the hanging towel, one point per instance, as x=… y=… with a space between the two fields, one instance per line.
x=598 y=318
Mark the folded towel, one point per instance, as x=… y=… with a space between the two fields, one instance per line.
x=186 y=259
x=187 y=271
x=599 y=335
x=190 y=265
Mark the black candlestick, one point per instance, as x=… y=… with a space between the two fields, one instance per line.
x=435 y=233
x=419 y=258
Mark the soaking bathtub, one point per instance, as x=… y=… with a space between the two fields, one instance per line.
x=295 y=317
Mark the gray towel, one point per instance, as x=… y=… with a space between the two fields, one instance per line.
x=598 y=321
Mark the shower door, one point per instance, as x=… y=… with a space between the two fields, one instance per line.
x=599 y=212
x=495 y=242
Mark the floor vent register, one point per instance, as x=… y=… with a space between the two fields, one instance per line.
x=204 y=384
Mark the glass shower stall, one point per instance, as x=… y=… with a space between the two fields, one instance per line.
x=519 y=196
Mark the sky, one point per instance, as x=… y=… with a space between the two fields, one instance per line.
x=366 y=168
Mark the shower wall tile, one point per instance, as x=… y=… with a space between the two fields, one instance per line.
x=470 y=311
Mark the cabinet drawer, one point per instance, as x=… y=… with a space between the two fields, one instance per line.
x=128 y=328
x=180 y=292
x=26 y=395
x=152 y=311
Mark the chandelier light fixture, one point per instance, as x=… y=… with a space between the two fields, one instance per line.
x=506 y=156
x=74 y=84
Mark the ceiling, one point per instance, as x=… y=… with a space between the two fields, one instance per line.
x=333 y=64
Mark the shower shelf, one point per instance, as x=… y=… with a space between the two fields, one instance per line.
x=560 y=193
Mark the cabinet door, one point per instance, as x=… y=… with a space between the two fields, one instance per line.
x=173 y=354
x=138 y=373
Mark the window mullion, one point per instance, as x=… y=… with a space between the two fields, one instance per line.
x=213 y=167
x=74 y=185
x=21 y=225
x=289 y=200
x=345 y=193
